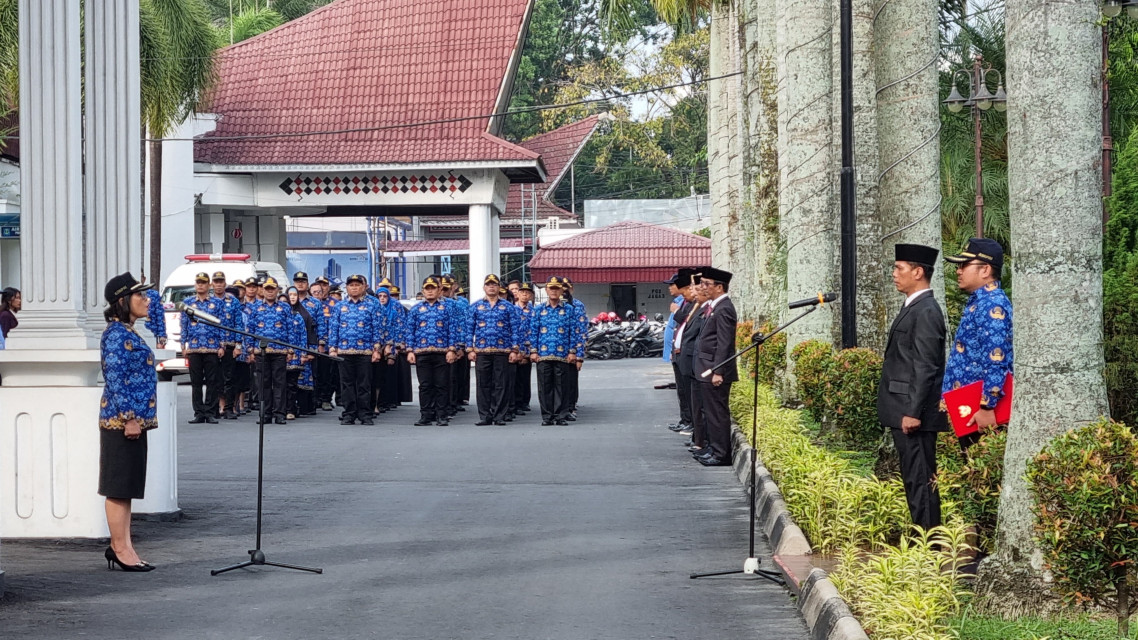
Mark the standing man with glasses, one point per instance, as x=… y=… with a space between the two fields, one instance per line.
x=202 y=346
x=716 y=343
x=982 y=348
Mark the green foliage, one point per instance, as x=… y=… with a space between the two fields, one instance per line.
x=972 y=484
x=833 y=503
x=705 y=232
x=813 y=362
x=1085 y=485
x=771 y=357
x=1120 y=289
x=979 y=627
x=909 y=590
x=250 y=22
x=852 y=397
x=219 y=10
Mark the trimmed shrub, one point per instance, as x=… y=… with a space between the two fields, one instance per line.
x=973 y=484
x=852 y=397
x=743 y=332
x=1086 y=489
x=772 y=357
x=813 y=370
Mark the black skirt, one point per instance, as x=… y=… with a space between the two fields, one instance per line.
x=122 y=465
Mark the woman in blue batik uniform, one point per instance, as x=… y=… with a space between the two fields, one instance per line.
x=127 y=411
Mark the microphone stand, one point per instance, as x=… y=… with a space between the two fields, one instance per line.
x=751 y=565
x=256 y=555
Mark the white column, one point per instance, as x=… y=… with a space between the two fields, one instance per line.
x=51 y=175
x=495 y=244
x=114 y=181
x=483 y=249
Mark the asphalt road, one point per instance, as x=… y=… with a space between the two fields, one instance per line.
x=581 y=532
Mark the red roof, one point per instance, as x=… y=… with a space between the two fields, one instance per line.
x=558 y=148
x=627 y=251
x=366 y=64
x=457 y=244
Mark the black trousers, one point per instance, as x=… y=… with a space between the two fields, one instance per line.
x=552 y=389
x=683 y=390
x=698 y=415
x=522 y=387
x=511 y=371
x=463 y=381
x=204 y=372
x=385 y=384
x=242 y=376
x=274 y=383
x=403 y=377
x=572 y=386
x=293 y=394
x=492 y=381
x=324 y=379
x=228 y=378
x=355 y=386
x=712 y=401
x=434 y=386
x=917 y=452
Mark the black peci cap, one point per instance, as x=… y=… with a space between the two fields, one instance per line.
x=917 y=253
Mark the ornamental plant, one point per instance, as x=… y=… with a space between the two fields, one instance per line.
x=1085 y=485
x=852 y=397
x=743 y=332
x=813 y=365
x=973 y=483
x=771 y=361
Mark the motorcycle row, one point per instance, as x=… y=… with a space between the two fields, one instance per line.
x=611 y=339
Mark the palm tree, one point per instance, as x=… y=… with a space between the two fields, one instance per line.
x=250 y=22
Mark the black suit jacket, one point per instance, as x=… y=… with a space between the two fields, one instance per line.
x=717 y=343
x=913 y=371
x=688 y=340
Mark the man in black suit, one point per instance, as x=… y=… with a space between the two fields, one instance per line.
x=689 y=324
x=908 y=398
x=715 y=344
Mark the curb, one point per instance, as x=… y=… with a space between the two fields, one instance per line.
x=827 y=615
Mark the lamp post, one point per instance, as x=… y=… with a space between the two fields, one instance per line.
x=979 y=99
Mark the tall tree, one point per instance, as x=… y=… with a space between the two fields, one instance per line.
x=1055 y=181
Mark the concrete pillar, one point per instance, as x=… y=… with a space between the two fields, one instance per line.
x=113 y=154
x=51 y=176
x=483 y=246
x=496 y=245
x=49 y=403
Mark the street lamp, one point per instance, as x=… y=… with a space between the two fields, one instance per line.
x=979 y=99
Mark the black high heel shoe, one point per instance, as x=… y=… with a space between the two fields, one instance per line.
x=113 y=559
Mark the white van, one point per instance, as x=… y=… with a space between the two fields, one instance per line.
x=179 y=285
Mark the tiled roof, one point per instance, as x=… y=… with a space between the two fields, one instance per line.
x=366 y=64
x=458 y=244
x=558 y=148
x=627 y=251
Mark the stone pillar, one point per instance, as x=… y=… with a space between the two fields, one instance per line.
x=113 y=155
x=496 y=248
x=483 y=249
x=51 y=176
x=49 y=402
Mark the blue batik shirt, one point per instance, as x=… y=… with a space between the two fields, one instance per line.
x=554 y=332
x=329 y=311
x=155 y=314
x=525 y=326
x=460 y=308
x=199 y=337
x=393 y=320
x=670 y=329
x=316 y=310
x=582 y=326
x=245 y=341
x=982 y=349
x=231 y=317
x=358 y=327
x=274 y=322
x=131 y=382
x=493 y=327
x=433 y=327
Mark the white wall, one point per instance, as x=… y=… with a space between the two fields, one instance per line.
x=651 y=298
x=179 y=192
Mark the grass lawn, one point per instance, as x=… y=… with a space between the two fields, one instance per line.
x=971 y=627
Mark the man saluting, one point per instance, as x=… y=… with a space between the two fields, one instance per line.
x=908 y=398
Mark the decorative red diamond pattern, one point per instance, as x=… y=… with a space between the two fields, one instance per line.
x=355 y=185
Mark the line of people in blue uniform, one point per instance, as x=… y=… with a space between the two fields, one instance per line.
x=377 y=340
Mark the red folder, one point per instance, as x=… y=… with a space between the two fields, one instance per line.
x=961 y=404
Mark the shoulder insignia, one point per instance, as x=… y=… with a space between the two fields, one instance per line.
x=991 y=286
x=997 y=355
x=997 y=313
x=960 y=347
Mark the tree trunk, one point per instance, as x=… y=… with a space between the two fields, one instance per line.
x=768 y=295
x=155 y=150
x=723 y=149
x=1122 y=609
x=907 y=46
x=808 y=222
x=1055 y=186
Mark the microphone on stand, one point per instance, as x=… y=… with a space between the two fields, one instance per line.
x=200 y=315
x=821 y=299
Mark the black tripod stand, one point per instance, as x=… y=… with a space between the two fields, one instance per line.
x=751 y=564
x=256 y=555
